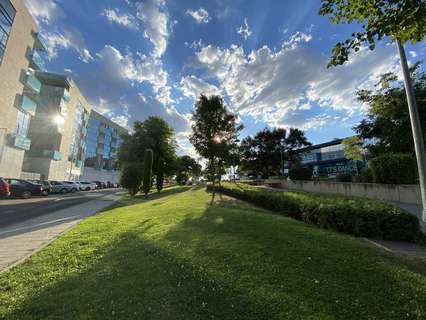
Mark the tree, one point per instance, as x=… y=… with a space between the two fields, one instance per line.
x=153 y=133
x=400 y=20
x=215 y=132
x=160 y=175
x=186 y=168
x=352 y=147
x=387 y=124
x=266 y=152
x=147 y=171
x=131 y=177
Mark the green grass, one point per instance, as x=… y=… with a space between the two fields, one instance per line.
x=175 y=257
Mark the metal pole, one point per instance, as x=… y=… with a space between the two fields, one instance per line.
x=419 y=144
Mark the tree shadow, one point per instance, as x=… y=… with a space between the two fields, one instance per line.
x=229 y=262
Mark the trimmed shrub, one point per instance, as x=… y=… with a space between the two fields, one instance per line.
x=300 y=173
x=344 y=177
x=356 y=216
x=394 y=168
x=131 y=177
x=147 y=171
x=160 y=175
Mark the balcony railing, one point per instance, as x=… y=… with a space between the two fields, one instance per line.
x=66 y=96
x=38 y=42
x=21 y=142
x=52 y=154
x=37 y=61
x=33 y=83
x=28 y=105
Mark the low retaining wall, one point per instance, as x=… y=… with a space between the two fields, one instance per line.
x=387 y=192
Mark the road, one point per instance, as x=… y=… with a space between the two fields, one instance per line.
x=19 y=210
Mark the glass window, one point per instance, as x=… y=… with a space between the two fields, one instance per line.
x=7 y=14
x=22 y=123
x=7 y=8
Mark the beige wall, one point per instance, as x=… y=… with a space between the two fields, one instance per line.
x=399 y=193
x=15 y=63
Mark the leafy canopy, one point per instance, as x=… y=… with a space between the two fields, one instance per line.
x=264 y=153
x=401 y=20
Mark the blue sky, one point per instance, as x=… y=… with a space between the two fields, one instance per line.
x=137 y=58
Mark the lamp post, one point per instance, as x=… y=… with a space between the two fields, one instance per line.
x=419 y=144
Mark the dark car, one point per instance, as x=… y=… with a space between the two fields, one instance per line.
x=4 y=188
x=24 y=189
x=98 y=184
x=47 y=187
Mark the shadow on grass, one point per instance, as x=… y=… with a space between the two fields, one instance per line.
x=228 y=264
x=129 y=201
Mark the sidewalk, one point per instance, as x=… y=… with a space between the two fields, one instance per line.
x=20 y=241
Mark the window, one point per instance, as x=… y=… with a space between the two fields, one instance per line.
x=22 y=123
x=7 y=14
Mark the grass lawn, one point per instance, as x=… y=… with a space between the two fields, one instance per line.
x=174 y=257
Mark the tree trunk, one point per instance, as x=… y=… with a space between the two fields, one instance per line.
x=419 y=144
x=214 y=181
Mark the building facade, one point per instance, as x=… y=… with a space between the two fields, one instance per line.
x=58 y=130
x=21 y=52
x=328 y=159
x=102 y=143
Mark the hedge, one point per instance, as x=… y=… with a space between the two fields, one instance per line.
x=394 y=168
x=356 y=216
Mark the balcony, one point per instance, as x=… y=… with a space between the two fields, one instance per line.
x=37 y=61
x=21 y=142
x=66 y=96
x=60 y=128
x=38 y=42
x=28 y=105
x=52 y=154
x=64 y=108
x=33 y=83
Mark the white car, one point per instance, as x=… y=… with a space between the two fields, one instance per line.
x=74 y=186
x=87 y=186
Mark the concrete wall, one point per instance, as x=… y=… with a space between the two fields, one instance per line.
x=387 y=192
x=15 y=63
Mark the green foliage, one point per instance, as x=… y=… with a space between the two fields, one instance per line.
x=298 y=172
x=366 y=175
x=344 y=177
x=388 y=123
x=352 y=147
x=214 y=133
x=394 y=168
x=160 y=175
x=185 y=168
x=153 y=133
x=356 y=216
x=147 y=171
x=402 y=20
x=265 y=153
x=131 y=177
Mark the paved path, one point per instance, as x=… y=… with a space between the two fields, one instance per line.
x=21 y=240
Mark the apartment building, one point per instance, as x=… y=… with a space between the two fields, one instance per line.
x=102 y=143
x=21 y=52
x=58 y=130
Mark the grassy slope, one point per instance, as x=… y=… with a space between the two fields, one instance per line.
x=174 y=257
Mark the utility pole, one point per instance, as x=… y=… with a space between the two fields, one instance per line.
x=419 y=144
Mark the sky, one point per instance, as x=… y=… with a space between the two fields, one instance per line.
x=268 y=58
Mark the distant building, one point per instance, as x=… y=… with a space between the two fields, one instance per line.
x=21 y=52
x=58 y=130
x=102 y=143
x=328 y=159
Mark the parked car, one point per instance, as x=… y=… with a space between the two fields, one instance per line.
x=87 y=186
x=75 y=186
x=98 y=184
x=4 y=188
x=60 y=187
x=24 y=189
x=47 y=187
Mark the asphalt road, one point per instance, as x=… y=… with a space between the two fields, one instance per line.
x=18 y=210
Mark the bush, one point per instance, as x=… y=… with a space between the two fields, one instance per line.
x=300 y=173
x=366 y=176
x=394 y=168
x=344 y=177
x=356 y=216
x=147 y=171
x=160 y=175
x=131 y=177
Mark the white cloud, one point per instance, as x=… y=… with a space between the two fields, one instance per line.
x=281 y=86
x=56 y=41
x=200 y=16
x=192 y=87
x=244 y=30
x=413 y=54
x=123 y=19
x=156 y=26
x=44 y=11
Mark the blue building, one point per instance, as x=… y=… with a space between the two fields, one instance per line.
x=101 y=149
